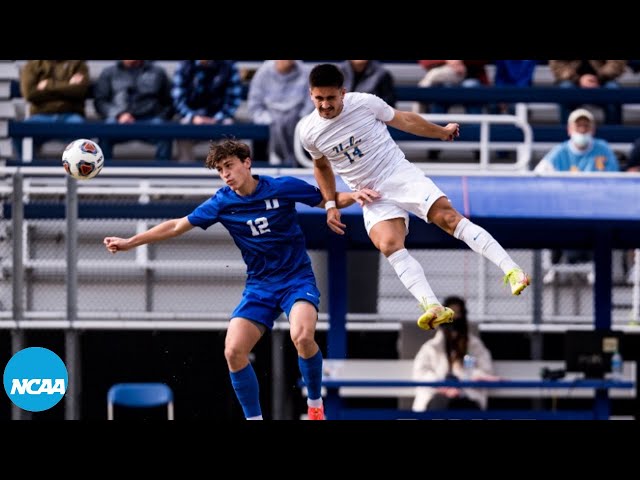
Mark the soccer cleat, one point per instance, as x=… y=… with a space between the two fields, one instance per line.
x=434 y=315
x=315 y=413
x=518 y=280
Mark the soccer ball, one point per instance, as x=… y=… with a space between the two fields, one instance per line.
x=83 y=159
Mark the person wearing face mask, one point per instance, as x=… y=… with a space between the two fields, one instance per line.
x=581 y=153
x=442 y=358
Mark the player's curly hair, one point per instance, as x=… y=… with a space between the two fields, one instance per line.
x=225 y=149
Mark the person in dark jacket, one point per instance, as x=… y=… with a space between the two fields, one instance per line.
x=134 y=91
x=369 y=76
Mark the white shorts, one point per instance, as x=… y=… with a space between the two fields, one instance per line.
x=408 y=190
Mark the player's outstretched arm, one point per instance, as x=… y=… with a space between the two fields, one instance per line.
x=162 y=231
x=343 y=200
x=364 y=196
x=411 y=122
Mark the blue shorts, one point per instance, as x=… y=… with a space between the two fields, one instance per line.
x=264 y=303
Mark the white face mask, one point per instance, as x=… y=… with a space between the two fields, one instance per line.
x=581 y=140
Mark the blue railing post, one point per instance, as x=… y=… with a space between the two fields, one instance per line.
x=337 y=334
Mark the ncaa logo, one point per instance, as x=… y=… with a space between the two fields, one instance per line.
x=35 y=379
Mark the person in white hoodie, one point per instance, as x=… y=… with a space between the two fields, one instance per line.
x=441 y=358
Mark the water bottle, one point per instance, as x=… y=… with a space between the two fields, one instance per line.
x=468 y=365
x=616 y=366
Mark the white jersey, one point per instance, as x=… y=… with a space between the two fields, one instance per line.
x=357 y=142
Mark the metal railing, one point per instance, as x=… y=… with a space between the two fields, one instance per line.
x=146 y=185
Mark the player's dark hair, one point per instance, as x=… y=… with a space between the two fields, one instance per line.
x=326 y=75
x=225 y=149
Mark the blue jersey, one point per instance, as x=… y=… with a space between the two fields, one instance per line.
x=264 y=226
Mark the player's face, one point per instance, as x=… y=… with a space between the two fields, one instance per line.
x=234 y=172
x=328 y=100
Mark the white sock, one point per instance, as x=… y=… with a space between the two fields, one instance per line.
x=257 y=417
x=315 y=403
x=411 y=274
x=481 y=241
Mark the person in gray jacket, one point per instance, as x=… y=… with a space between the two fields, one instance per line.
x=279 y=97
x=134 y=91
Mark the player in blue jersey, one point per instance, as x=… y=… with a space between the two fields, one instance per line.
x=259 y=213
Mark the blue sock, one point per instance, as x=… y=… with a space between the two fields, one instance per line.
x=311 y=370
x=245 y=384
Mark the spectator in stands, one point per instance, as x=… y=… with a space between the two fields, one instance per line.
x=278 y=97
x=348 y=132
x=369 y=76
x=205 y=92
x=56 y=91
x=259 y=213
x=134 y=91
x=581 y=153
x=513 y=73
x=441 y=358
x=452 y=73
x=589 y=74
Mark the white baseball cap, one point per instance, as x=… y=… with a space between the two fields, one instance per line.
x=580 y=113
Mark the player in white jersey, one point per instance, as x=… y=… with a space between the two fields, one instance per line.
x=348 y=132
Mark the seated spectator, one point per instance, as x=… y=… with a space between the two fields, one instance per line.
x=450 y=73
x=581 y=153
x=134 y=91
x=56 y=91
x=441 y=358
x=589 y=74
x=205 y=92
x=513 y=73
x=369 y=76
x=279 y=97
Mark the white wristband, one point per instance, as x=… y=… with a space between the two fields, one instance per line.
x=330 y=204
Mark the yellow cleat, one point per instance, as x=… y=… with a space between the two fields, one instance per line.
x=434 y=315
x=518 y=280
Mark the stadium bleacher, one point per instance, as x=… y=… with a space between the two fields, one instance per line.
x=540 y=101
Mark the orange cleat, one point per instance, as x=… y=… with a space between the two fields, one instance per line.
x=315 y=413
